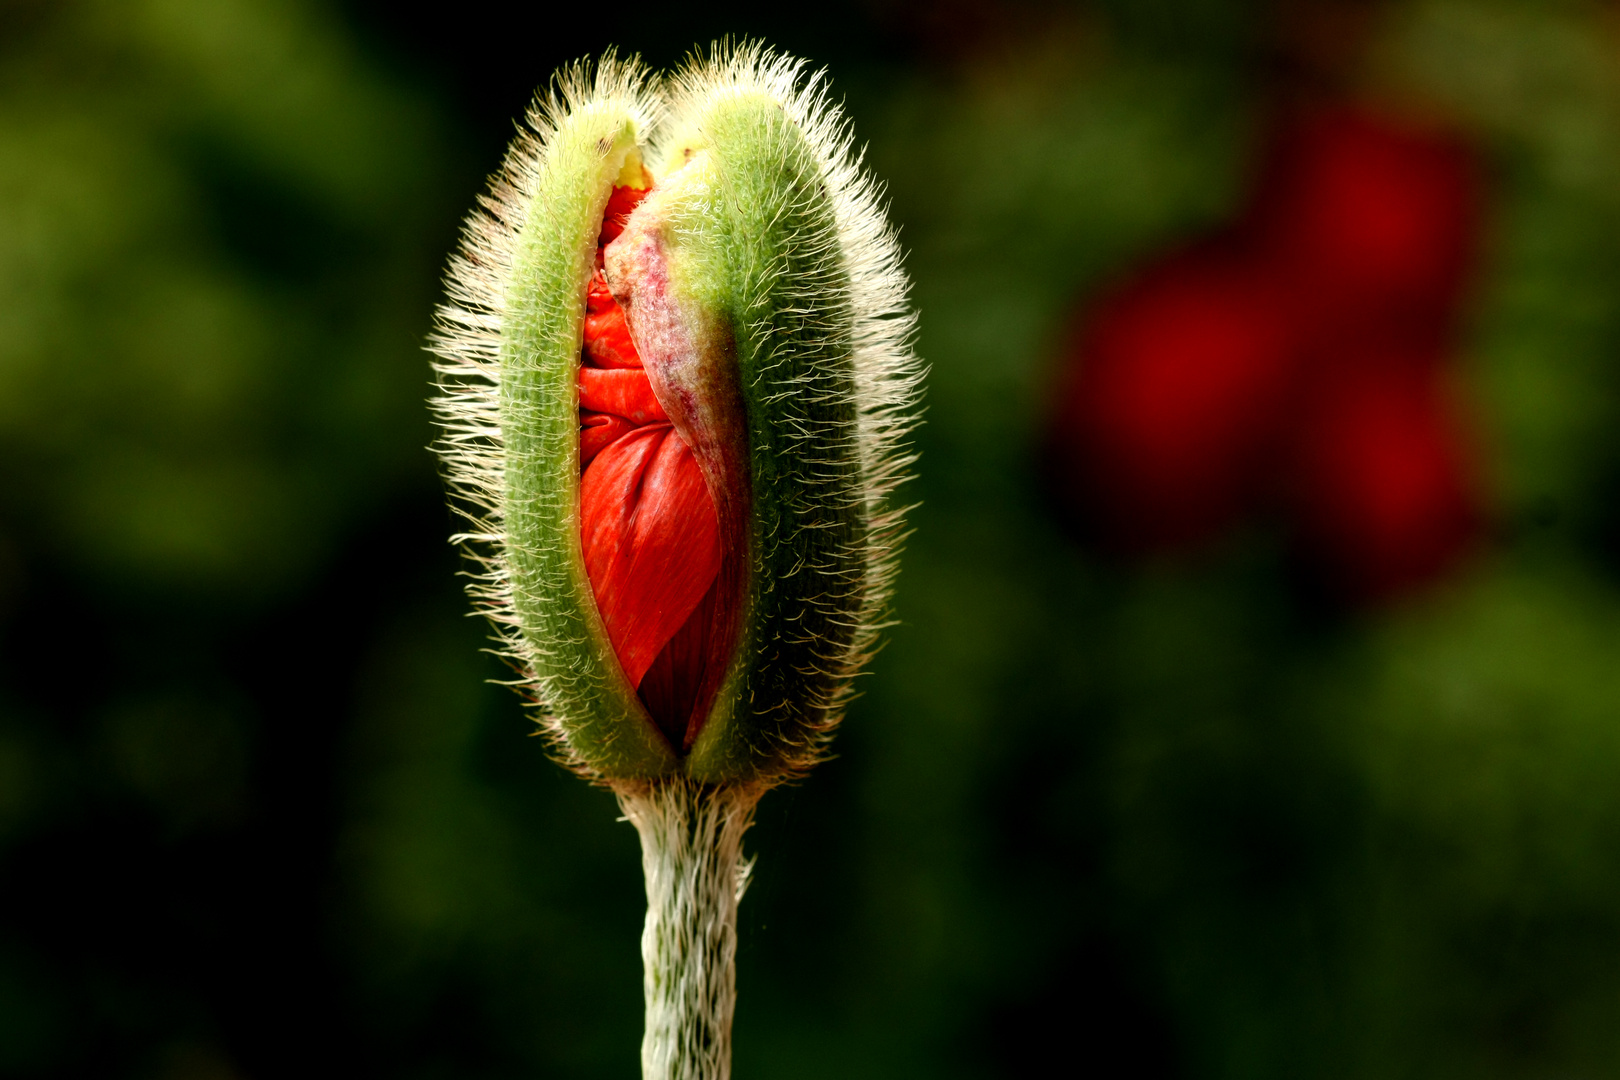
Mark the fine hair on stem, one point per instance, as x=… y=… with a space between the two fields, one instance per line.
x=691 y=854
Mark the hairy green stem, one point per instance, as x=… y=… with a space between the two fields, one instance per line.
x=691 y=852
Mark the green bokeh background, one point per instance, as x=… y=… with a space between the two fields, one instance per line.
x=262 y=813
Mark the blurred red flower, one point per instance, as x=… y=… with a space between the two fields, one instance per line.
x=1371 y=217
x=1379 y=481
x=1174 y=394
x=1297 y=363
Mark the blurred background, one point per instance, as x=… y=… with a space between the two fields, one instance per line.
x=1255 y=708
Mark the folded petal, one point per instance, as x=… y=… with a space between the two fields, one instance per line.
x=619 y=206
x=680 y=675
x=607 y=339
x=598 y=297
x=598 y=431
x=651 y=540
x=622 y=392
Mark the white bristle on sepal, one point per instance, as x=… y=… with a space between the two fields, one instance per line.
x=466 y=341
x=888 y=375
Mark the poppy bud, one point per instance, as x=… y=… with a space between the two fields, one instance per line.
x=675 y=386
x=675 y=380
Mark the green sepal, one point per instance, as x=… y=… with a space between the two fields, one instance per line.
x=605 y=727
x=755 y=247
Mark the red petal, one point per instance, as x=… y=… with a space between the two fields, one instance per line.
x=597 y=296
x=622 y=392
x=598 y=431
x=607 y=339
x=619 y=205
x=649 y=524
x=651 y=540
x=679 y=674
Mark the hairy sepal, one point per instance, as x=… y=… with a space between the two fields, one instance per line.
x=755 y=265
x=604 y=727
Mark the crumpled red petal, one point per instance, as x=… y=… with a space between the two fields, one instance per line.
x=651 y=540
x=599 y=298
x=648 y=522
x=598 y=431
x=607 y=340
x=619 y=206
x=621 y=392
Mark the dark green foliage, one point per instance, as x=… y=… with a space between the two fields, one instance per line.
x=260 y=815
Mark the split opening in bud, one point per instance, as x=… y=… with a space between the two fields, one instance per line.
x=648 y=521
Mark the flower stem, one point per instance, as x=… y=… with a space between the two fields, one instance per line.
x=691 y=852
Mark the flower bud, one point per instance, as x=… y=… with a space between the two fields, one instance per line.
x=675 y=384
